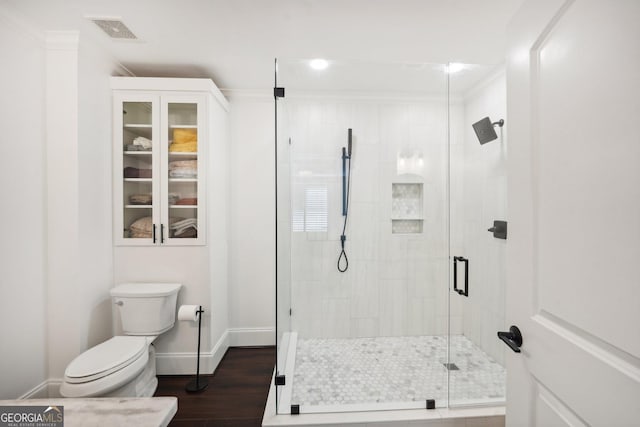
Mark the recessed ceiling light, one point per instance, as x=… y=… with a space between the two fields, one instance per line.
x=318 y=64
x=454 y=67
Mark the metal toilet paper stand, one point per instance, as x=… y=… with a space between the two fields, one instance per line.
x=198 y=384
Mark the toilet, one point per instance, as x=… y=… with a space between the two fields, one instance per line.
x=125 y=366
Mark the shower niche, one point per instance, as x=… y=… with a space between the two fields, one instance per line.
x=406 y=208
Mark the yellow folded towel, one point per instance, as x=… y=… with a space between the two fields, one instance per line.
x=185 y=135
x=184 y=147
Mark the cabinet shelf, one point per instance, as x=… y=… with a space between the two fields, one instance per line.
x=183 y=206
x=407 y=219
x=138 y=179
x=138 y=206
x=183 y=153
x=138 y=153
x=139 y=130
x=137 y=125
x=183 y=179
x=183 y=126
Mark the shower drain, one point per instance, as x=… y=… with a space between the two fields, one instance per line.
x=451 y=366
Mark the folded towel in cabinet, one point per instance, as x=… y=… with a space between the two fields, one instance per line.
x=141 y=228
x=183 y=147
x=180 y=225
x=183 y=169
x=131 y=172
x=193 y=164
x=142 y=224
x=188 y=233
x=131 y=147
x=187 y=201
x=173 y=198
x=140 y=199
x=143 y=142
x=181 y=135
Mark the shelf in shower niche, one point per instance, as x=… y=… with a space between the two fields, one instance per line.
x=406 y=226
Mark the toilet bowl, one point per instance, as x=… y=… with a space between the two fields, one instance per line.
x=125 y=365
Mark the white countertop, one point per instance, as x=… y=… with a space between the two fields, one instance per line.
x=109 y=411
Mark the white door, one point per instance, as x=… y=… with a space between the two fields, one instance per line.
x=574 y=213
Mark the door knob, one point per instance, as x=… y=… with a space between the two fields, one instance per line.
x=513 y=338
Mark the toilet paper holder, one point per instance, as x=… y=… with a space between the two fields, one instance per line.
x=197 y=384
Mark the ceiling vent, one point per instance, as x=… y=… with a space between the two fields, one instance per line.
x=114 y=28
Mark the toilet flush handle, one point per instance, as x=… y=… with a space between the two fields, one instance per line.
x=120 y=303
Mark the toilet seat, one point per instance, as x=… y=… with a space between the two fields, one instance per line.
x=125 y=367
x=106 y=358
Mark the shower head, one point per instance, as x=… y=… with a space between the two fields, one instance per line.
x=484 y=130
x=349 y=143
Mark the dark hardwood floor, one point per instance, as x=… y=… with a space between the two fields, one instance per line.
x=236 y=394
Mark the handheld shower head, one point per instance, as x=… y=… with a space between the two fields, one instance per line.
x=484 y=130
x=349 y=142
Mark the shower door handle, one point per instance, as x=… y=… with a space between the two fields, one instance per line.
x=464 y=292
x=513 y=338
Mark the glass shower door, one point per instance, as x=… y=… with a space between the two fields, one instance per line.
x=374 y=334
x=478 y=243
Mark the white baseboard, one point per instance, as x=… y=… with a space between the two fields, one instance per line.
x=248 y=337
x=46 y=389
x=185 y=363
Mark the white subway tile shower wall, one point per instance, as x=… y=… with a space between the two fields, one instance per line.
x=396 y=284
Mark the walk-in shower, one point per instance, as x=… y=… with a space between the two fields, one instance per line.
x=386 y=154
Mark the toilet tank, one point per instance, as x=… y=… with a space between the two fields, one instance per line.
x=146 y=308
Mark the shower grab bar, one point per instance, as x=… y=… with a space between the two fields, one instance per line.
x=346 y=155
x=464 y=292
x=344 y=181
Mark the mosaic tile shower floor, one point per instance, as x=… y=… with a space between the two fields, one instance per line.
x=392 y=369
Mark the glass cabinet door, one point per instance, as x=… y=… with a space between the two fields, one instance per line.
x=159 y=169
x=184 y=144
x=138 y=188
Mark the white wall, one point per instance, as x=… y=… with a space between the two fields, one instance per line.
x=59 y=111
x=94 y=181
x=252 y=244
x=22 y=247
x=79 y=191
x=218 y=209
